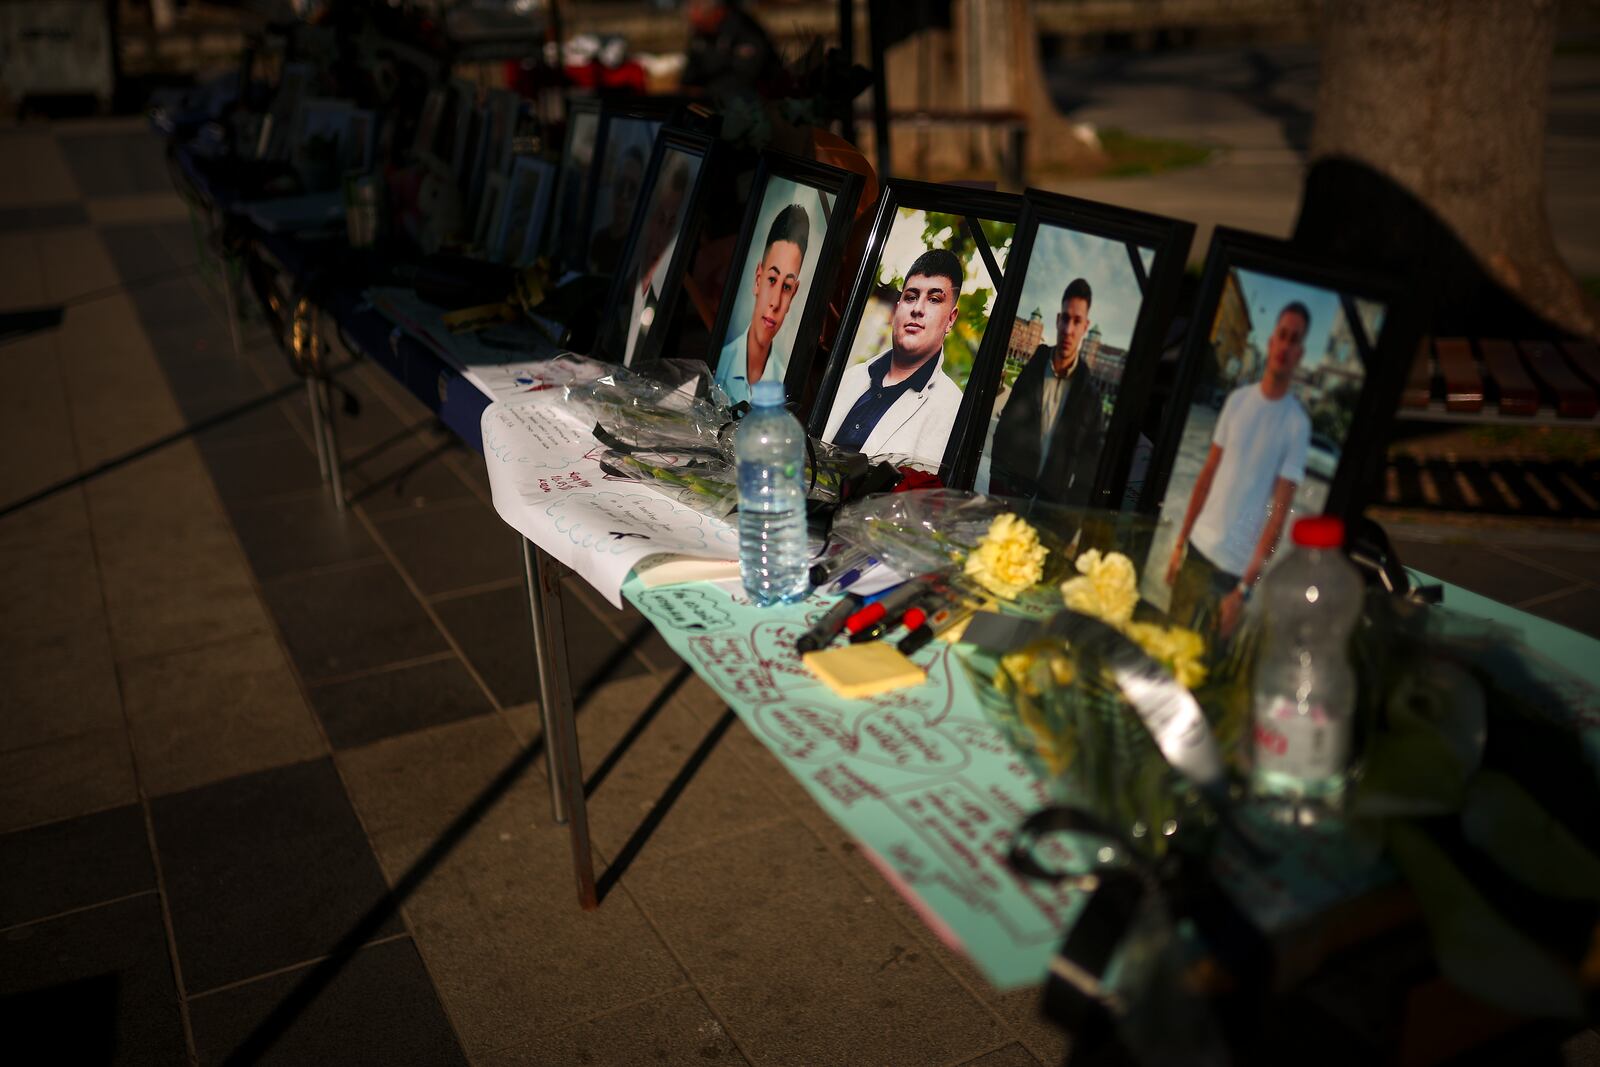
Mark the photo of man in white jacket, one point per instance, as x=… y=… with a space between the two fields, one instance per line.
x=901 y=402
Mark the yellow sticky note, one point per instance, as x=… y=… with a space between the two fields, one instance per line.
x=864 y=670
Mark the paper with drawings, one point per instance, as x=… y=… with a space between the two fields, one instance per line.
x=545 y=474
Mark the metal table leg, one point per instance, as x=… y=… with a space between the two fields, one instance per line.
x=232 y=268
x=331 y=437
x=314 y=403
x=561 y=727
x=530 y=572
x=309 y=350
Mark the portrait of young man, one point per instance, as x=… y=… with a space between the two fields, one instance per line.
x=652 y=254
x=901 y=401
x=749 y=357
x=609 y=240
x=1048 y=438
x=1240 y=501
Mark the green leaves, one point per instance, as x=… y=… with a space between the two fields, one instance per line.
x=1476 y=948
x=1435 y=737
x=1410 y=772
x=1500 y=819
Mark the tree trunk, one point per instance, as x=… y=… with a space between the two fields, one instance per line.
x=1448 y=102
x=987 y=63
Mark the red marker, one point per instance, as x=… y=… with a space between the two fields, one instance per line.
x=865 y=617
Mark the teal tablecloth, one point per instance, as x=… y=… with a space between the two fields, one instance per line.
x=923 y=781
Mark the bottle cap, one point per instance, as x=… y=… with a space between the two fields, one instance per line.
x=768 y=393
x=1321 y=531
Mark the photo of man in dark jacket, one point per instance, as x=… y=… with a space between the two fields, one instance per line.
x=1047 y=442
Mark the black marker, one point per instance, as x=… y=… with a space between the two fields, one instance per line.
x=821 y=634
x=871 y=633
x=936 y=624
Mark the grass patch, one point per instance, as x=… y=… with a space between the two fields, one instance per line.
x=1130 y=155
x=1549 y=442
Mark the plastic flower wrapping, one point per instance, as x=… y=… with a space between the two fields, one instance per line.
x=668 y=425
x=990 y=547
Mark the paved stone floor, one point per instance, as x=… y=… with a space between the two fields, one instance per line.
x=269 y=775
x=1255 y=105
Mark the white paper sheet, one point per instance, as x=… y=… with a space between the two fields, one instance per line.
x=547 y=484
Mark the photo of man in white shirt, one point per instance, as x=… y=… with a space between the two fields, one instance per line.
x=1241 y=500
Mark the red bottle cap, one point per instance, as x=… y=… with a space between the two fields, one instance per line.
x=914 y=618
x=1321 y=531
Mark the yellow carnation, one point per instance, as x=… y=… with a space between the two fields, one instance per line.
x=1107 y=587
x=1009 y=559
x=1176 y=648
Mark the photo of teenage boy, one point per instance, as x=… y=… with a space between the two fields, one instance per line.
x=1047 y=443
x=749 y=357
x=1241 y=499
x=900 y=402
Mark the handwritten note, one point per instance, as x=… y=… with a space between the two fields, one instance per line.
x=547 y=483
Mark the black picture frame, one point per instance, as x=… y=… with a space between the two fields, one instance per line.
x=578 y=230
x=844 y=187
x=573 y=179
x=1169 y=240
x=1385 y=361
x=899 y=193
x=618 y=307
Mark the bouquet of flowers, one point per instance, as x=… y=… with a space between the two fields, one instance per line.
x=1073 y=697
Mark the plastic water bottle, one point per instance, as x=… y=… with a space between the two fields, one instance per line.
x=770 y=448
x=1305 y=689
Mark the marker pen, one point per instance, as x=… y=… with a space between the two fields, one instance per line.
x=935 y=625
x=827 y=628
x=931 y=602
x=890 y=605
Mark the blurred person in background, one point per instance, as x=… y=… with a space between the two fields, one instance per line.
x=728 y=50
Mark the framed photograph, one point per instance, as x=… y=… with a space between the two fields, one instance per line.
x=425 y=141
x=282 y=118
x=321 y=142
x=501 y=109
x=1291 y=373
x=788 y=254
x=523 y=209
x=910 y=336
x=494 y=191
x=489 y=148
x=626 y=141
x=646 y=287
x=577 y=167
x=1064 y=374
x=456 y=136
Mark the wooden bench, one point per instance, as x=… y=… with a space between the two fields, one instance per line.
x=1514 y=382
